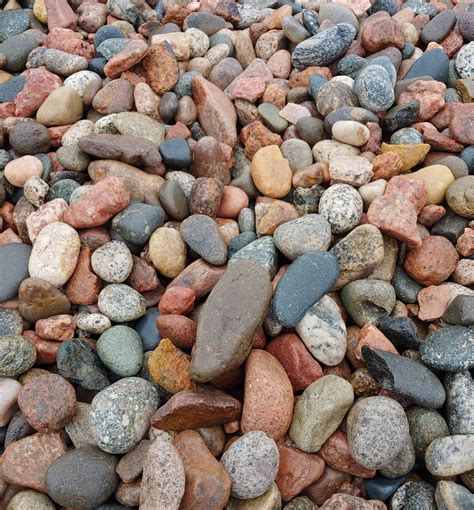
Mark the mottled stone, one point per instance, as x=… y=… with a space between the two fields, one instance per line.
x=449 y=456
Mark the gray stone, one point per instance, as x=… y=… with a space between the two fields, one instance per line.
x=229 y=319
x=426 y=425
x=112 y=262
x=451 y=455
x=138 y=221
x=16 y=50
x=413 y=495
x=13 y=22
x=62 y=63
x=120 y=414
x=439 y=27
x=452 y=496
x=403 y=463
x=342 y=206
x=304 y=283
x=460 y=402
x=121 y=303
x=17 y=355
x=406 y=136
x=300 y=503
x=252 y=463
x=120 y=349
x=323 y=331
x=377 y=429
x=262 y=251
x=460 y=311
x=14 y=258
x=270 y=500
x=406 y=288
x=320 y=411
x=374 y=88
x=11 y=322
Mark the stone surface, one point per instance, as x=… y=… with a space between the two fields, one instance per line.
x=13 y=268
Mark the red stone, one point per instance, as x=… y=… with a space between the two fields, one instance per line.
x=433 y=301
x=99 y=205
x=69 y=41
x=161 y=67
x=177 y=300
x=255 y=136
x=413 y=189
x=133 y=52
x=58 y=327
x=301 y=367
x=60 y=15
x=380 y=31
x=143 y=276
x=181 y=330
x=84 y=285
x=431 y=214
x=327 y=485
x=465 y=243
x=46 y=350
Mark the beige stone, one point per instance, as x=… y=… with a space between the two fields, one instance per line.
x=167 y=251
x=437 y=179
x=271 y=172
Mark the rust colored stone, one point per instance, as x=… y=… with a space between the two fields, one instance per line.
x=327 y=485
x=95 y=237
x=169 y=367
x=106 y=198
x=372 y=337
x=84 y=285
x=207 y=482
x=210 y=160
x=268 y=396
x=386 y=165
x=301 y=367
x=46 y=350
x=432 y=262
x=278 y=213
x=179 y=329
x=431 y=214
x=59 y=327
x=255 y=136
x=380 y=31
x=335 y=452
x=161 y=67
x=192 y=409
x=26 y=461
x=130 y=55
x=301 y=79
x=297 y=470
x=48 y=402
x=143 y=276
x=433 y=301
x=177 y=300
x=206 y=196
x=465 y=243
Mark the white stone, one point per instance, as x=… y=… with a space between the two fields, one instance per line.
x=369 y=192
x=351 y=132
x=112 y=262
x=353 y=170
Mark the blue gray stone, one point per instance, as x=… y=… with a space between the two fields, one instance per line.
x=138 y=221
x=11 y=88
x=14 y=259
x=434 y=63
x=450 y=349
x=374 y=88
x=146 y=328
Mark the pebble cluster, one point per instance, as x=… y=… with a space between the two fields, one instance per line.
x=237 y=254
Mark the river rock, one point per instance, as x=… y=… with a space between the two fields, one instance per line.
x=14 y=260
x=17 y=355
x=460 y=398
x=342 y=206
x=450 y=456
x=242 y=297
x=121 y=303
x=320 y=411
x=120 y=349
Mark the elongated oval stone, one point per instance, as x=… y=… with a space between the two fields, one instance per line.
x=305 y=281
x=230 y=317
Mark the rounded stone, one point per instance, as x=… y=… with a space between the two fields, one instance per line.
x=30 y=500
x=167 y=251
x=121 y=303
x=11 y=322
x=374 y=88
x=94 y=323
x=82 y=478
x=342 y=206
x=47 y=402
x=112 y=262
x=120 y=414
x=55 y=253
x=426 y=425
x=252 y=463
x=19 y=170
x=377 y=429
x=460 y=196
x=17 y=355
x=465 y=61
x=120 y=349
x=29 y=138
x=350 y=132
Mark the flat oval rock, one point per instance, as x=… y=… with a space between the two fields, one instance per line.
x=229 y=319
x=304 y=283
x=406 y=377
x=14 y=259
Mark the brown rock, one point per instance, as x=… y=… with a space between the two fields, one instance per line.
x=126 y=58
x=84 y=286
x=26 y=461
x=58 y=327
x=461 y=127
x=465 y=243
x=350 y=502
x=216 y=113
x=268 y=396
x=301 y=368
x=46 y=350
x=432 y=262
x=250 y=85
x=301 y=79
x=169 y=367
x=363 y=383
x=130 y=465
x=179 y=329
x=48 y=402
x=143 y=276
x=255 y=136
x=209 y=160
x=327 y=485
x=161 y=67
x=100 y=204
x=431 y=214
x=386 y=165
x=372 y=337
x=278 y=213
x=429 y=93
x=128 y=494
x=206 y=196
x=199 y=276
x=433 y=301
x=395 y=216
x=38 y=299
x=380 y=31
x=177 y=300
x=297 y=470
x=115 y=97
x=94 y=237
x=192 y=409
x=207 y=482
x=335 y=452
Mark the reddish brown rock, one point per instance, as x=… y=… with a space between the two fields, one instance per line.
x=433 y=301
x=26 y=461
x=179 y=329
x=38 y=299
x=69 y=41
x=199 y=276
x=59 y=327
x=297 y=470
x=84 y=285
x=177 y=300
x=429 y=93
x=233 y=201
x=143 y=276
x=327 y=485
x=278 y=213
x=169 y=367
x=94 y=237
x=106 y=198
x=255 y=136
x=395 y=216
x=268 y=396
x=351 y=502
x=60 y=15
x=126 y=58
x=250 y=84
x=372 y=337
x=431 y=214
x=48 y=402
x=206 y=196
x=301 y=367
x=461 y=125
x=432 y=262
x=386 y=165
x=130 y=465
x=46 y=350
x=115 y=97
x=335 y=452
x=209 y=160
x=380 y=31
x=465 y=243
x=413 y=189
x=161 y=67
x=216 y=113
x=39 y=84
x=301 y=79
x=192 y=409
x=128 y=494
